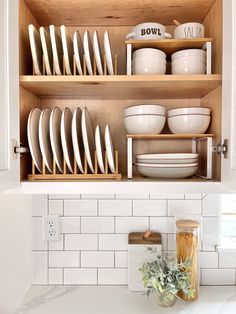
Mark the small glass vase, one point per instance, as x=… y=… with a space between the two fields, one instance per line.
x=165 y=301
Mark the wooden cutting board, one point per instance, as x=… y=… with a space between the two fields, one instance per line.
x=138 y=254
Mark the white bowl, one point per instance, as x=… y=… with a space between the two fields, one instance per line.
x=148 y=67
x=149 y=52
x=184 y=124
x=178 y=158
x=167 y=171
x=152 y=60
x=187 y=111
x=187 y=60
x=187 y=53
x=189 y=30
x=140 y=124
x=145 y=109
x=193 y=68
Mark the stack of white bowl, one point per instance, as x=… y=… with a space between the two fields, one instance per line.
x=189 y=61
x=141 y=119
x=148 y=61
x=189 y=120
x=175 y=166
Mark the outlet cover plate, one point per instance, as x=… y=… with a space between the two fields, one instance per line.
x=52 y=228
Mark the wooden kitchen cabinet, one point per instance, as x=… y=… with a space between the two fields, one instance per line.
x=107 y=96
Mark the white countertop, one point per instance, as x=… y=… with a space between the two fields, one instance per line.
x=118 y=300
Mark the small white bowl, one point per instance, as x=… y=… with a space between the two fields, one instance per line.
x=148 y=67
x=150 y=60
x=187 y=111
x=187 y=60
x=184 y=124
x=141 y=124
x=149 y=52
x=189 y=30
x=192 y=68
x=187 y=53
x=145 y=109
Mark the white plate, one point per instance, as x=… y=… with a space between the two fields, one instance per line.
x=109 y=149
x=67 y=47
x=97 y=53
x=108 y=54
x=78 y=51
x=100 y=150
x=56 y=49
x=55 y=137
x=47 y=50
x=178 y=158
x=77 y=138
x=66 y=137
x=88 y=52
x=44 y=138
x=33 y=137
x=88 y=138
x=36 y=49
x=167 y=165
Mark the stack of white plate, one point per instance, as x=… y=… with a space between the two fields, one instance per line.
x=141 y=119
x=189 y=61
x=175 y=166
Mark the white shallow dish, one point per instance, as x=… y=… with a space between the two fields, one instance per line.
x=178 y=158
x=88 y=138
x=145 y=109
x=188 y=69
x=88 y=52
x=108 y=53
x=77 y=138
x=184 y=124
x=78 y=51
x=47 y=50
x=166 y=171
x=109 y=149
x=140 y=124
x=67 y=47
x=97 y=53
x=56 y=49
x=188 y=52
x=55 y=137
x=36 y=49
x=100 y=149
x=66 y=138
x=44 y=138
x=187 y=111
x=33 y=137
x=149 y=52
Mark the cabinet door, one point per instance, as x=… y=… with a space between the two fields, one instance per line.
x=9 y=91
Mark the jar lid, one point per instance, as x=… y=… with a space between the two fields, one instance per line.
x=187 y=223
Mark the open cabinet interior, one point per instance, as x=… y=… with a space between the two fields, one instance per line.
x=104 y=101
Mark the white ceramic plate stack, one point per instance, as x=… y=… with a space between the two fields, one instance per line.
x=141 y=119
x=148 y=61
x=175 y=166
x=189 y=61
x=189 y=120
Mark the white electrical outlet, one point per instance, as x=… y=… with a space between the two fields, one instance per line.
x=51 y=228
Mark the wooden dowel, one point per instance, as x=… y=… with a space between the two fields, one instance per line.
x=74 y=65
x=44 y=168
x=116 y=162
x=64 y=66
x=106 y=163
x=95 y=162
x=33 y=167
x=105 y=65
x=53 y=68
x=54 y=171
x=84 y=65
x=85 y=165
x=94 y=66
x=33 y=69
x=64 y=166
x=116 y=64
x=75 y=166
x=44 y=68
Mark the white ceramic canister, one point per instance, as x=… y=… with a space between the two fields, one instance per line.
x=148 y=31
x=189 y=30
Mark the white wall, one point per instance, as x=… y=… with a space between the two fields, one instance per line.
x=15 y=248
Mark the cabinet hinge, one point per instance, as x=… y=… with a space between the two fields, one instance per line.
x=18 y=150
x=222 y=149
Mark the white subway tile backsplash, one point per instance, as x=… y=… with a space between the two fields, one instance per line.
x=171 y=242
x=64 y=196
x=208 y=259
x=227 y=259
x=121 y=259
x=211 y=205
x=97 y=225
x=80 y=276
x=184 y=207
x=38 y=243
x=113 y=276
x=55 y=276
x=39 y=268
x=162 y=224
x=114 y=242
x=167 y=196
x=80 y=207
x=131 y=224
x=97 y=259
x=55 y=207
x=70 y=224
x=56 y=245
x=209 y=233
x=115 y=208
x=81 y=241
x=97 y=196
x=64 y=259
x=39 y=205
x=132 y=196
x=193 y=196
x=218 y=277
x=164 y=242
x=149 y=208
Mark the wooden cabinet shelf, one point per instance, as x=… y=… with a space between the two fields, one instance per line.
x=168 y=136
x=121 y=86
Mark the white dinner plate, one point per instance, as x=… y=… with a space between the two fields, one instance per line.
x=36 y=49
x=109 y=148
x=56 y=49
x=100 y=149
x=97 y=53
x=78 y=52
x=77 y=138
x=66 y=138
x=33 y=137
x=108 y=54
x=55 y=137
x=88 y=138
x=88 y=52
x=44 y=138
x=67 y=47
x=47 y=50
x=179 y=158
